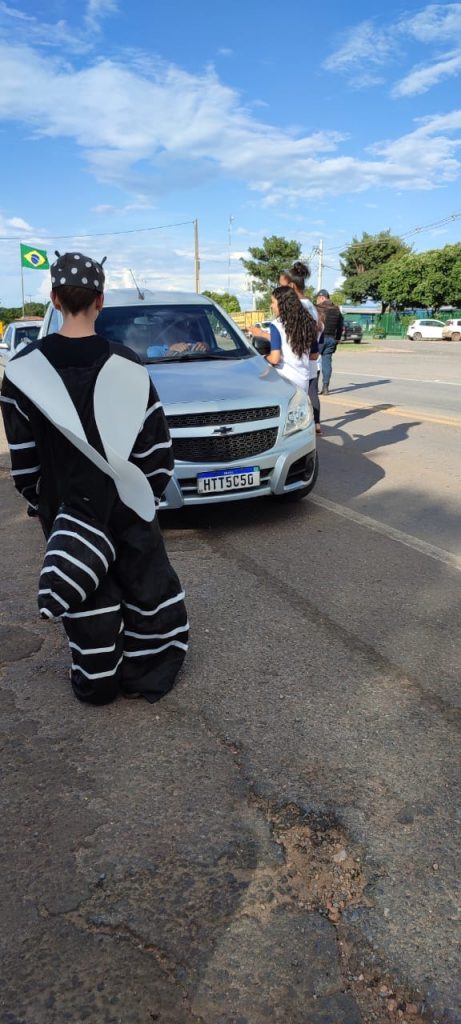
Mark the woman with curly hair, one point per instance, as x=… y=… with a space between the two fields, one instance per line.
x=292 y=333
x=296 y=277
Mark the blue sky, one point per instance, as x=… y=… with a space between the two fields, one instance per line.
x=316 y=121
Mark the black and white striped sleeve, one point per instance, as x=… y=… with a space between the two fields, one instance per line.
x=153 y=450
x=25 y=465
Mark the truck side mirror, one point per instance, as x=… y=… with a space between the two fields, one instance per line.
x=262 y=345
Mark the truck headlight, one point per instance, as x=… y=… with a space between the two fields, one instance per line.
x=299 y=413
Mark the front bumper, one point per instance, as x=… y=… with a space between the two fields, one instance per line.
x=289 y=466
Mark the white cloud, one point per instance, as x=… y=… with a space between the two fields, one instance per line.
x=139 y=203
x=59 y=34
x=14 y=12
x=18 y=224
x=152 y=133
x=434 y=23
x=422 y=78
x=379 y=46
x=365 y=41
x=96 y=10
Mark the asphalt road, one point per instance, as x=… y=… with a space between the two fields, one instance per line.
x=276 y=840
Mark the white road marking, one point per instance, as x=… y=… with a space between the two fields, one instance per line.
x=424 y=548
x=389 y=379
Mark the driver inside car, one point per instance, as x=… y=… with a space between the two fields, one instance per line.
x=170 y=343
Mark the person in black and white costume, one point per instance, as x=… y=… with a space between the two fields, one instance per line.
x=132 y=635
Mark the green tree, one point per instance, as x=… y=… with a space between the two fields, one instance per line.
x=34 y=309
x=429 y=279
x=267 y=261
x=10 y=313
x=363 y=262
x=338 y=296
x=228 y=302
x=400 y=281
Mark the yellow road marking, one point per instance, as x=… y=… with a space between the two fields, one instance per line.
x=396 y=410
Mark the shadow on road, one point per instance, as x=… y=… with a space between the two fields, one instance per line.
x=358 y=414
x=344 y=463
x=366 y=384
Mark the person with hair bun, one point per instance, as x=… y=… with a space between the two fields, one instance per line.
x=295 y=277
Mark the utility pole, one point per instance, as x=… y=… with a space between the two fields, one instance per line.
x=229 y=235
x=197 y=257
x=320 y=265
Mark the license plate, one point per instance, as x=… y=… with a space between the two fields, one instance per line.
x=228 y=480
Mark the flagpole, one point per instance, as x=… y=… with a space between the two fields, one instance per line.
x=22 y=288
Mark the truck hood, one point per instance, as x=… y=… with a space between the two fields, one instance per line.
x=233 y=384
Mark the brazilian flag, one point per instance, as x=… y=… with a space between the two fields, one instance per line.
x=34 y=259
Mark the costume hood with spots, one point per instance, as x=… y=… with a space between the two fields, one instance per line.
x=78 y=271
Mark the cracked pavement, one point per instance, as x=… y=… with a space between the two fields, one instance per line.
x=175 y=862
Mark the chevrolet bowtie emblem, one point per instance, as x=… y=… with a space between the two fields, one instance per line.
x=223 y=430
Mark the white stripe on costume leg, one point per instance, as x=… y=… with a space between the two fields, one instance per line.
x=86 y=526
x=164 y=604
x=157 y=650
x=22 y=472
x=157 y=636
x=97 y=675
x=56 y=596
x=53 y=568
x=74 y=561
x=83 y=540
x=19 y=447
x=92 y=650
x=97 y=611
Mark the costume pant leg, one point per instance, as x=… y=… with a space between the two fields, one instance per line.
x=95 y=635
x=156 y=627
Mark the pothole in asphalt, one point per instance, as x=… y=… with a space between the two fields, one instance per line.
x=324 y=873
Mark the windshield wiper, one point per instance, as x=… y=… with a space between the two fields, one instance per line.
x=186 y=357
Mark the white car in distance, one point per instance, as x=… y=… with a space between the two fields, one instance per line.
x=452 y=330
x=425 y=329
x=17 y=335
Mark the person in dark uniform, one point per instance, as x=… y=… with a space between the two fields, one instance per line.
x=131 y=635
x=333 y=328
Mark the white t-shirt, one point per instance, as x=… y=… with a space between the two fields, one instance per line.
x=290 y=366
x=310 y=308
x=315 y=365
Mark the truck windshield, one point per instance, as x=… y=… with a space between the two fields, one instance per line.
x=176 y=332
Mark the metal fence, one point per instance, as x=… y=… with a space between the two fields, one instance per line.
x=395 y=324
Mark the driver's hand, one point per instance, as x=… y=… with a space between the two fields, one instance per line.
x=200 y=346
x=180 y=346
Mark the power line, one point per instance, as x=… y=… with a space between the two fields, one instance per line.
x=100 y=234
x=406 y=234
